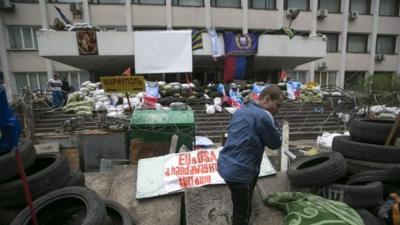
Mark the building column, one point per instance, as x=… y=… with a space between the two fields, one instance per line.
x=207 y=13
x=168 y=13
x=128 y=13
x=313 y=32
x=45 y=25
x=373 y=38
x=9 y=80
x=245 y=16
x=86 y=12
x=343 y=47
x=398 y=53
x=279 y=7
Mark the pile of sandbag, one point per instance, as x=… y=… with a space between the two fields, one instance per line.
x=79 y=104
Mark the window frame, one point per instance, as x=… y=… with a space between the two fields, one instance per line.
x=70 y=74
x=24 y=1
x=285 y=6
x=251 y=3
x=178 y=4
x=21 y=35
x=340 y=7
x=368 y=7
x=28 y=79
x=358 y=73
x=215 y=5
x=139 y=3
x=337 y=41
x=365 y=44
x=326 y=73
x=394 y=43
x=397 y=6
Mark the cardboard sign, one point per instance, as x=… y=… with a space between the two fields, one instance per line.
x=173 y=173
x=133 y=84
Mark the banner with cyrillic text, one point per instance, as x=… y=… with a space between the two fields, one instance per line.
x=173 y=173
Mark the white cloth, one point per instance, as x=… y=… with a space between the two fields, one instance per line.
x=216 y=48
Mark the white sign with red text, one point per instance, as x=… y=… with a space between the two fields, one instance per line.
x=173 y=173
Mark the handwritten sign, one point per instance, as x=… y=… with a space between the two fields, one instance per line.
x=133 y=84
x=192 y=169
x=176 y=172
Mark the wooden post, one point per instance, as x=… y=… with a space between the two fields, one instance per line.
x=29 y=119
x=129 y=103
x=285 y=146
x=391 y=138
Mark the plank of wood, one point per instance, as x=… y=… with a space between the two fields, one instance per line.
x=72 y=155
x=140 y=149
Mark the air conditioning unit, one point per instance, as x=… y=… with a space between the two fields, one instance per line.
x=6 y=6
x=322 y=13
x=322 y=65
x=379 y=57
x=75 y=8
x=290 y=12
x=353 y=15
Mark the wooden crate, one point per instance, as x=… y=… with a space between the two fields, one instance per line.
x=139 y=149
x=72 y=155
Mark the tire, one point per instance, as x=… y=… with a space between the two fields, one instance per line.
x=45 y=175
x=117 y=214
x=66 y=206
x=317 y=170
x=372 y=131
x=76 y=178
x=8 y=215
x=8 y=163
x=357 y=196
x=375 y=175
x=369 y=218
x=356 y=166
x=365 y=151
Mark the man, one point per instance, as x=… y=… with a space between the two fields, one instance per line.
x=55 y=85
x=251 y=129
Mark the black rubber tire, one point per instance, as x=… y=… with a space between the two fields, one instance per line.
x=47 y=174
x=317 y=170
x=76 y=178
x=117 y=214
x=8 y=164
x=69 y=205
x=8 y=215
x=372 y=131
x=375 y=175
x=365 y=151
x=357 y=196
x=369 y=218
x=356 y=166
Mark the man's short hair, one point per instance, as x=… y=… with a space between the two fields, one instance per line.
x=273 y=91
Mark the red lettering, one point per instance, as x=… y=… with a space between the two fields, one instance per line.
x=182 y=159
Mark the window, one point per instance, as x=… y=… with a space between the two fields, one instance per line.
x=262 y=4
x=360 y=6
x=75 y=78
x=386 y=44
x=23 y=37
x=297 y=4
x=188 y=2
x=103 y=1
x=301 y=76
x=25 y=1
x=325 y=78
x=226 y=3
x=31 y=80
x=389 y=8
x=333 y=6
x=332 y=43
x=149 y=2
x=114 y=28
x=357 y=43
x=354 y=80
x=382 y=81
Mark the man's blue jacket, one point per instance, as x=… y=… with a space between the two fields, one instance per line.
x=250 y=130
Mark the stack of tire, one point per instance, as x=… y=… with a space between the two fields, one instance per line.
x=358 y=170
x=45 y=173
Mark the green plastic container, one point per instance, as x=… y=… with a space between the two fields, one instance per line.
x=160 y=125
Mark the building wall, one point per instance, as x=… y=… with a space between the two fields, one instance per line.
x=161 y=16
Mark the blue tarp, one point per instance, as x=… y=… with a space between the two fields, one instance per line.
x=9 y=125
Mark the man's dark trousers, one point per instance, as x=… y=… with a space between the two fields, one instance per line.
x=241 y=194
